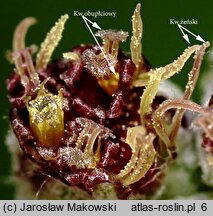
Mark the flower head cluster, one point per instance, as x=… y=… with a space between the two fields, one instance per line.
x=86 y=126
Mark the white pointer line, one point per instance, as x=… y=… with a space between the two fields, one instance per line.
x=87 y=19
x=186 y=30
x=185 y=36
x=180 y=27
x=95 y=25
x=110 y=66
x=198 y=37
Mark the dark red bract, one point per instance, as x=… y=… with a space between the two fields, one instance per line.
x=83 y=97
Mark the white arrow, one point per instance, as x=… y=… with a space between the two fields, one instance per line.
x=111 y=67
x=199 y=38
x=185 y=36
x=94 y=24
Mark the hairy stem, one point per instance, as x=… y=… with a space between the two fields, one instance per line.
x=20 y=33
x=193 y=76
x=170 y=104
